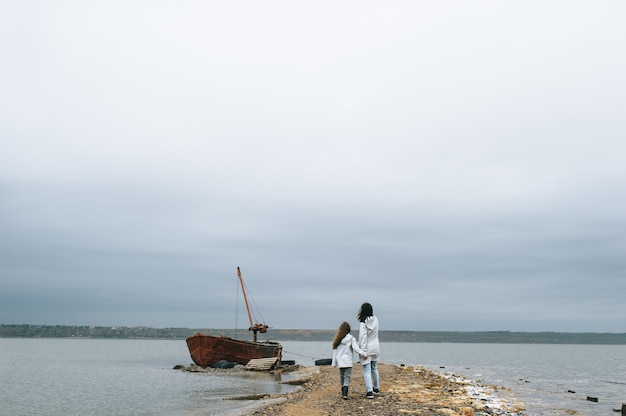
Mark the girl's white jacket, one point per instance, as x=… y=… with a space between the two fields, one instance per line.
x=368 y=339
x=342 y=355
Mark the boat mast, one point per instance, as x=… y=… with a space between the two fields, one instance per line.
x=262 y=328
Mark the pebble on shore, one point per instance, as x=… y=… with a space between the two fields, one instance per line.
x=404 y=391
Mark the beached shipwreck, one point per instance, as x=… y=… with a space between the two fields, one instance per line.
x=206 y=350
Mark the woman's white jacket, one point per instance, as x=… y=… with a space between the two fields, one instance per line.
x=342 y=355
x=368 y=339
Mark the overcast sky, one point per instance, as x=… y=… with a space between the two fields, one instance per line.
x=460 y=165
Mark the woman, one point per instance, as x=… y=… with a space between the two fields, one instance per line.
x=368 y=341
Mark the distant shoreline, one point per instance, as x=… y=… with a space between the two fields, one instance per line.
x=141 y=332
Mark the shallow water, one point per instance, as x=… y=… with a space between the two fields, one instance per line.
x=93 y=377
x=540 y=375
x=104 y=377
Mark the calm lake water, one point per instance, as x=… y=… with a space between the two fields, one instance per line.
x=105 y=377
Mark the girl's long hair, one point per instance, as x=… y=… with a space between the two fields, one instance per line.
x=344 y=329
x=365 y=312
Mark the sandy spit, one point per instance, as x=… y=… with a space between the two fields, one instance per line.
x=404 y=391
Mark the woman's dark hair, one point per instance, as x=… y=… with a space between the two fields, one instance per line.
x=344 y=329
x=365 y=312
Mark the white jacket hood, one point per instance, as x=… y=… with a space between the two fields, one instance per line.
x=347 y=339
x=368 y=339
x=371 y=323
x=343 y=354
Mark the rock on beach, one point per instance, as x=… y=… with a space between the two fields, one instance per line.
x=403 y=391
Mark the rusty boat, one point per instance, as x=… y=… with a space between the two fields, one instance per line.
x=206 y=350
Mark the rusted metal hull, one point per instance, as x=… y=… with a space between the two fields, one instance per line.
x=206 y=350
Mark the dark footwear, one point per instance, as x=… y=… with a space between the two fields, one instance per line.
x=369 y=395
x=344 y=392
x=376 y=391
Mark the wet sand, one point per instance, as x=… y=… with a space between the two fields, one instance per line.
x=403 y=391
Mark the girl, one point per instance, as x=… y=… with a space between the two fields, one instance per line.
x=368 y=341
x=344 y=345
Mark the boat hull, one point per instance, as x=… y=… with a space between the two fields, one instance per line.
x=206 y=350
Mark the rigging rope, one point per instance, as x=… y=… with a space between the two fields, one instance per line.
x=301 y=355
x=257 y=310
x=254 y=306
x=236 y=305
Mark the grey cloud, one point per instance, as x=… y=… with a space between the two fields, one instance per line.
x=459 y=168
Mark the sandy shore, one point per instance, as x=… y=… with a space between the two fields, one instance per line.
x=404 y=391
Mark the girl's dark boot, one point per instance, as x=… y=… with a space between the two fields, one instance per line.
x=344 y=392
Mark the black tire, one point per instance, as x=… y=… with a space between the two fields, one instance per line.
x=224 y=364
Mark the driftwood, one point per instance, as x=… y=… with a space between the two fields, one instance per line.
x=262 y=364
